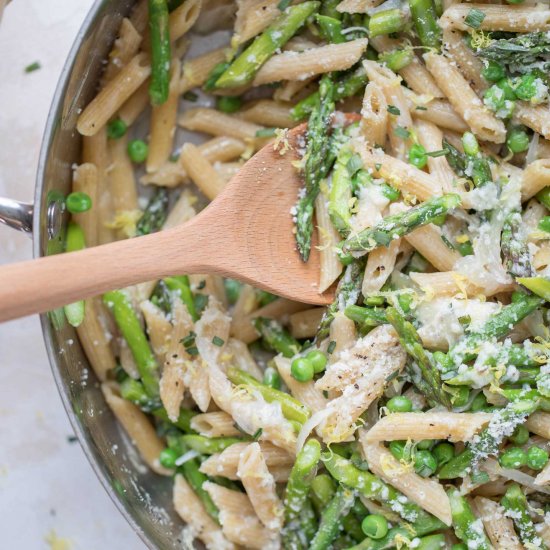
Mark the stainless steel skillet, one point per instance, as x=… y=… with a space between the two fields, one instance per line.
x=142 y=497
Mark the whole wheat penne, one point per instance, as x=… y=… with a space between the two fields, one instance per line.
x=134 y=106
x=253 y=16
x=107 y=102
x=428 y=425
x=543 y=529
x=215 y=424
x=244 y=330
x=95 y=151
x=357 y=6
x=374 y=115
x=342 y=331
x=183 y=18
x=196 y=71
x=200 y=171
x=211 y=285
x=183 y=211
x=543 y=478
x=125 y=47
x=541 y=258
x=446 y=283
x=190 y=508
x=427 y=493
x=227 y=170
x=236 y=353
x=499 y=528
x=539 y=423
x=239 y=522
x=464 y=100
x=304 y=324
x=139 y=16
x=267 y=112
x=215 y=15
x=536 y=117
x=380 y=264
x=330 y=267
x=535 y=177
x=94 y=340
x=86 y=180
x=431 y=138
x=299 y=65
x=163 y=124
x=428 y=241
x=439 y=112
x=404 y=176
x=498 y=18
x=292 y=90
x=159 y=328
x=137 y=426
x=260 y=486
x=216 y=123
x=305 y=392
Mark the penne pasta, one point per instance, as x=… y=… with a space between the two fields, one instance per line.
x=539 y=423
x=374 y=115
x=534 y=178
x=215 y=424
x=201 y=171
x=125 y=47
x=304 y=324
x=266 y=112
x=499 y=528
x=86 y=180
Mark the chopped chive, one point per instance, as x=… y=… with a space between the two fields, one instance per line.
x=378 y=166
x=192 y=351
x=331 y=346
x=402 y=132
x=266 y=132
x=190 y=96
x=189 y=340
x=393 y=110
x=283 y=5
x=438 y=153
x=174 y=157
x=421 y=108
x=33 y=67
x=474 y=18
x=217 y=341
x=447 y=242
x=202 y=284
x=258 y=434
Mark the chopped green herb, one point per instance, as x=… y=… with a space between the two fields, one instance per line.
x=331 y=346
x=447 y=242
x=378 y=166
x=354 y=164
x=474 y=18
x=257 y=434
x=72 y=439
x=201 y=284
x=283 y=4
x=193 y=351
x=392 y=109
x=421 y=108
x=402 y=132
x=266 y=132
x=189 y=340
x=33 y=67
x=217 y=341
x=190 y=96
x=438 y=153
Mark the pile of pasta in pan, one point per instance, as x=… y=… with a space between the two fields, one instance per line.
x=414 y=411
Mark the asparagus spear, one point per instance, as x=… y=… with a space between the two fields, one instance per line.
x=366 y=316
x=276 y=337
x=543 y=197
x=128 y=323
x=195 y=478
x=398 y=225
x=339 y=207
x=374 y=488
x=472 y=164
x=183 y=422
x=317 y=165
x=498 y=326
x=245 y=67
x=411 y=342
x=298 y=517
x=329 y=525
x=467 y=527
x=522 y=54
x=74 y=241
x=515 y=251
x=350 y=84
x=292 y=408
x=431 y=542
x=503 y=423
x=538 y=285
x=160 y=51
x=208 y=445
x=516 y=507
x=182 y=287
x=331 y=29
x=154 y=214
x=425 y=22
x=386 y=22
x=347 y=294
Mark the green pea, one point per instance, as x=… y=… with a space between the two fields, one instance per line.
x=78 y=202
x=397 y=449
x=470 y=144
x=116 y=128
x=168 y=458
x=537 y=458
x=302 y=369
x=520 y=435
x=479 y=402
x=400 y=403
x=424 y=463
x=391 y=193
x=460 y=395
x=228 y=104
x=493 y=72
x=525 y=87
x=544 y=224
x=439 y=220
x=513 y=457
x=405 y=301
x=443 y=452
x=417 y=156
x=506 y=87
x=425 y=444
x=517 y=141
x=375 y=526
x=138 y=151
x=272 y=378
x=318 y=359
x=465 y=249
x=445 y=362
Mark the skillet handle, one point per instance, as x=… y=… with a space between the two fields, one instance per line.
x=16 y=214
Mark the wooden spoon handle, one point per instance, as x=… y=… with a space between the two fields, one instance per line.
x=47 y=283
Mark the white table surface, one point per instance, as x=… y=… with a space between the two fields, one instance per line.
x=49 y=495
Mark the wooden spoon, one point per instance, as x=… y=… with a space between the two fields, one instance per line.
x=246 y=234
